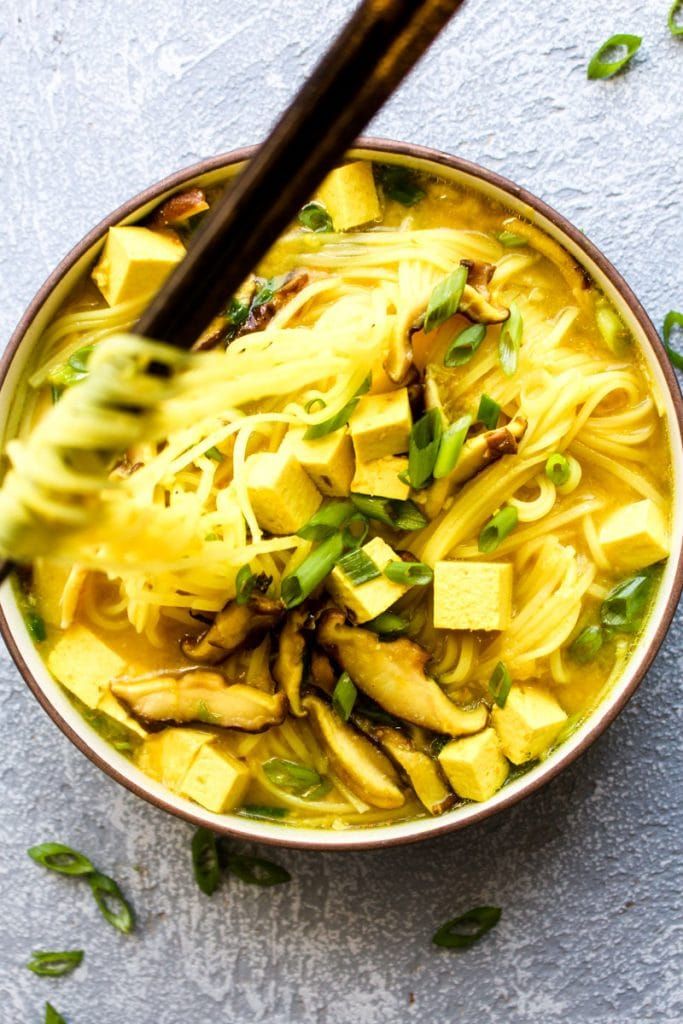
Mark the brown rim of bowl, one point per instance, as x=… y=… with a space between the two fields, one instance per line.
x=373 y=838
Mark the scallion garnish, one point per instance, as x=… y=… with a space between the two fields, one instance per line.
x=400 y=183
x=676 y=11
x=557 y=469
x=291 y=775
x=256 y=870
x=510 y=341
x=301 y=583
x=499 y=684
x=445 y=299
x=340 y=419
x=462 y=932
x=237 y=313
x=423 y=447
x=358 y=567
x=450 y=446
x=327 y=520
x=313 y=403
x=265 y=291
x=584 y=648
x=207 y=871
x=671 y=320
x=599 y=67
x=53 y=964
x=263 y=811
x=488 y=412
x=464 y=345
x=51 y=1015
x=410 y=574
x=112 y=903
x=510 y=240
x=498 y=527
x=214 y=453
x=355 y=531
x=246 y=582
x=625 y=605
x=315 y=217
x=401 y=515
x=35 y=624
x=388 y=624
x=62 y=859
x=344 y=696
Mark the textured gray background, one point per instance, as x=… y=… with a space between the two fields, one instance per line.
x=100 y=98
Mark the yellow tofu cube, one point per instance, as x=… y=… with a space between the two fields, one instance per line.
x=113 y=707
x=369 y=599
x=350 y=196
x=381 y=425
x=529 y=722
x=216 y=780
x=327 y=460
x=49 y=580
x=83 y=664
x=475 y=765
x=282 y=495
x=135 y=262
x=472 y=595
x=167 y=756
x=381 y=478
x=635 y=535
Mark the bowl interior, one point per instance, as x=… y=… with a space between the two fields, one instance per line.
x=18 y=360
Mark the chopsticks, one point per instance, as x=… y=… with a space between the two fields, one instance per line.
x=374 y=52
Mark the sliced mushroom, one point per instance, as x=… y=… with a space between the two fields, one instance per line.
x=354 y=757
x=202 y=696
x=261 y=315
x=289 y=664
x=392 y=673
x=475 y=302
x=323 y=675
x=422 y=770
x=179 y=208
x=479 y=273
x=238 y=625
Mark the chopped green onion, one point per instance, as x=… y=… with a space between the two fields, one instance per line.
x=315 y=217
x=291 y=775
x=51 y=1015
x=35 y=624
x=445 y=299
x=214 y=453
x=611 y=329
x=78 y=360
x=326 y=520
x=301 y=583
x=462 y=932
x=266 y=290
x=625 y=605
x=496 y=530
x=246 y=582
x=358 y=567
x=450 y=446
x=510 y=341
x=675 y=26
x=464 y=345
x=355 y=531
x=313 y=402
x=62 y=859
x=263 y=811
x=510 y=240
x=400 y=183
x=557 y=469
x=256 y=870
x=601 y=68
x=499 y=684
x=344 y=696
x=410 y=574
x=236 y=313
x=207 y=871
x=584 y=648
x=112 y=903
x=388 y=624
x=671 y=320
x=488 y=412
x=423 y=447
x=340 y=419
x=401 y=515
x=55 y=964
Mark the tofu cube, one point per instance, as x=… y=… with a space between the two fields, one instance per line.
x=327 y=460
x=381 y=425
x=113 y=707
x=49 y=580
x=350 y=196
x=135 y=262
x=369 y=599
x=475 y=765
x=635 y=536
x=167 y=756
x=529 y=722
x=216 y=780
x=472 y=595
x=381 y=477
x=282 y=495
x=83 y=664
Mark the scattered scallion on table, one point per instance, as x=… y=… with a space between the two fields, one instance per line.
x=450 y=446
x=410 y=574
x=62 y=859
x=445 y=299
x=464 y=931
x=672 y=319
x=315 y=217
x=510 y=341
x=464 y=345
x=557 y=469
x=497 y=529
x=344 y=696
x=499 y=684
x=675 y=18
x=55 y=964
x=600 y=66
x=51 y=1015
x=584 y=648
x=207 y=871
x=113 y=905
x=488 y=412
x=423 y=447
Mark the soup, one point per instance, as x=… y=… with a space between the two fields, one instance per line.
x=399 y=529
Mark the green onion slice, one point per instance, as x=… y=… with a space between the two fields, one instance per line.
x=291 y=775
x=625 y=605
x=315 y=217
x=671 y=320
x=265 y=291
x=462 y=932
x=450 y=446
x=344 y=696
x=499 y=684
x=207 y=871
x=214 y=453
x=51 y=1015
x=410 y=574
x=400 y=184
x=313 y=402
x=496 y=530
x=488 y=412
x=35 y=624
x=355 y=531
x=423 y=447
x=246 y=582
x=112 y=903
x=256 y=870
x=339 y=419
x=464 y=345
x=445 y=299
x=358 y=567
x=327 y=520
x=599 y=67
x=676 y=12
x=236 y=313
x=557 y=469
x=53 y=964
x=301 y=583
x=263 y=811
x=62 y=859
x=510 y=240
x=510 y=341
x=401 y=515
x=388 y=624
x=584 y=647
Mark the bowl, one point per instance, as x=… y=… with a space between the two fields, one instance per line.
x=54 y=701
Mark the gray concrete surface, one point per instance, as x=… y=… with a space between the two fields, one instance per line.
x=100 y=98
